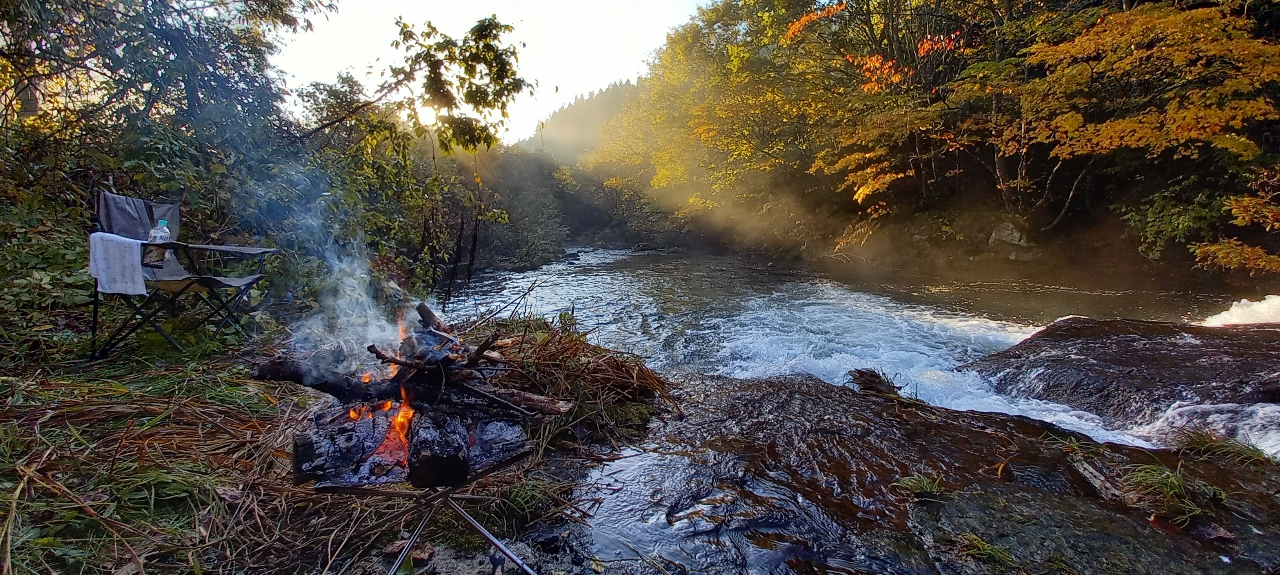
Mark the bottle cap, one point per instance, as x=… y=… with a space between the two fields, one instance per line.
x=163 y=223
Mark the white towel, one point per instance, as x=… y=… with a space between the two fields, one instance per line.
x=116 y=262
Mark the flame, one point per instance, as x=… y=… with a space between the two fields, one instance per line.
x=387 y=405
x=367 y=377
x=403 y=330
x=360 y=411
x=395 y=446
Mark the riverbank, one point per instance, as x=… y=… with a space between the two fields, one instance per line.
x=790 y=474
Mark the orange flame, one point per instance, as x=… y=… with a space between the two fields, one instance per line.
x=358 y=412
x=403 y=330
x=395 y=446
x=367 y=377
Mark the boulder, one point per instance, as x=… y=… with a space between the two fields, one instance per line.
x=1007 y=233
x=1131 y=372
x=794 y=475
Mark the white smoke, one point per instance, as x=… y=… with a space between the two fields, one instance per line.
x=349 y=318
x=1246 y=311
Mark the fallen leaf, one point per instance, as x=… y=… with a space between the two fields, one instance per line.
x=229 y=495
x=393 y=549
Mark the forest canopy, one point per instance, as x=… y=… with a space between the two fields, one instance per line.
x=811 y=124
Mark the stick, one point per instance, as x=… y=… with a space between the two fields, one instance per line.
x=429 y=318
x=493 y=398
x=478 y=354
x=384 y=358
x=488 y=536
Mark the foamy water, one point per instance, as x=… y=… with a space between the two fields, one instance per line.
x=730 y=317
x=1246 y=311
x=826 y=330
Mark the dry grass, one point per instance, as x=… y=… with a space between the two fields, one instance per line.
x=613 y=392
x=186 y=467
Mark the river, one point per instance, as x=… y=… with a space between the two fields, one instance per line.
x=694 y=506
x=736 y=317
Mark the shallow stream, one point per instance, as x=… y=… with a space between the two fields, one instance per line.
x=711 y=501
x=740 y=318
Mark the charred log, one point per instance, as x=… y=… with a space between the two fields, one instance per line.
x=346 y=389
x=343 y=441
x=494 y=441
x=438 y=454
x=430 y=320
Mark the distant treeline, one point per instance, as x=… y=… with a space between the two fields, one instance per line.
x=807 y=127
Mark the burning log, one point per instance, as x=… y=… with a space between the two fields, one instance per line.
x=429 y=419
x=342 y=444
x=345 y=388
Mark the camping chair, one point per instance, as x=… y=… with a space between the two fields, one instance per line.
x=134 y=218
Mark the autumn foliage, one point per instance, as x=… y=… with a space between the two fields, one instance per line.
x=799 y=117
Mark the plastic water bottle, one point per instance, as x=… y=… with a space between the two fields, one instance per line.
x=154 y=256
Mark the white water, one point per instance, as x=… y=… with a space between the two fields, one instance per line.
x=1246 y=311
x=724 y=316
x=826 y=330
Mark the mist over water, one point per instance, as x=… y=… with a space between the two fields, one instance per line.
x=740 y=318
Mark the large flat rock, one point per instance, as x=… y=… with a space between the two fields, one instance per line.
x=1131 y=372
x=794 y=475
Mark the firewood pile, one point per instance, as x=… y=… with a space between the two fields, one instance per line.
x=431 y=418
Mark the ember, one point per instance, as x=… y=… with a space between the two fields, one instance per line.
x=446 y=425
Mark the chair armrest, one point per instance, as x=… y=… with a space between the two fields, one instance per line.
x=233 y=250
x=240 y=250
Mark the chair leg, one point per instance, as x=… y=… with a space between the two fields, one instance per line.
x=218 y=310
x=231 y=311
x=225 y=309
x=140 y=318
x=93 y=327
x=126 y=329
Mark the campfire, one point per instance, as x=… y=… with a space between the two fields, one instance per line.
x=425 y=412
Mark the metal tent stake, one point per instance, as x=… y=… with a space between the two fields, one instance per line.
x=485 y=533
x=434 y=499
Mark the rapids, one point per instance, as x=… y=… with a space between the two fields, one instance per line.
x=781 y=475
x=740 y=318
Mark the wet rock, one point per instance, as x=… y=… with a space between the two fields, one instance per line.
x=791 y=474
x=1007 y=233
x=1046 y=533
x=1131 y=372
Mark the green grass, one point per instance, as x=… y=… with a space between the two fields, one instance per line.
x=1171 y=493
x=1073 y=445
x=1206 y=444
x=995 y=557
x=918 y=483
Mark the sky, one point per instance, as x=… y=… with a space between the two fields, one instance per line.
x=572 y=47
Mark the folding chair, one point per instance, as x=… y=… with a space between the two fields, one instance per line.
x=134 y=218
